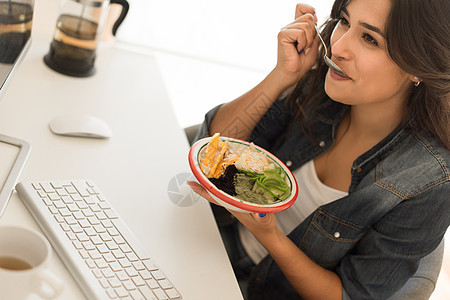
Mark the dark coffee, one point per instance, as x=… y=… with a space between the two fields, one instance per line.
x=13 y=263
x=72 y=51
x=15 y=29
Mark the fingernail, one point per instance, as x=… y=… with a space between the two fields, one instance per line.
x=262 y=215
x=307 y=50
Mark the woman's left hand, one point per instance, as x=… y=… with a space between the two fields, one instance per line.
x=261 y=227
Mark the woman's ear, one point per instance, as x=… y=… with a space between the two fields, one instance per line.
x=416 y=80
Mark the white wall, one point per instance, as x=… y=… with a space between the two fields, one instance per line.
x=210 y=51
x=241 y=32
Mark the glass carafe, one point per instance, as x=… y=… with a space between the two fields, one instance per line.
x=78 y=29
x=16 y=18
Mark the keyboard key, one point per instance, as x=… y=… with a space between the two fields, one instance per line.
x=84 y=254
x=122 y=275
x=64 y=226
x=90 y=200
x=112 y=245
x=131 y=272
x=77 y=244
x=121 y=292
x=65 y=212
x=88 y=245
x=70 y=220
x=125 y=248
x=81 y=188
x=97 y=273
x=72 y=207
x=164 y=284
x=101 y=264
x=149 y=265
x=47 y=202
x=76 y=228
x=108 y=257
x=94 y=254
x=138 y=266
x=114 y=282
x=138 y=281
x=105 y=237
x=88 y=213
x=101 y=215
x=82 y=205
x=125 y=263
x=53 y=210
x=145 y=274
x=47 y=187
x=152 y=283
x=61 y=192
x=129 y=285
x=82 y=237
x=173 y=294
x=111 y=293
x=158 y=275
x=102 y=249
x=95 y=222
x=108 y=273
x=110 y=214
x=107 y=223
x=59 y=204
x=76 y=197
x=115 y=266
x=67 y=199
x=118 y=254
x=90 y=263
x=54 y=197
x=90 y=231
x=72 y=236
x=147 y=292
x=160 y=294
x=136 y=295
x=119 y=240
x=104 y=282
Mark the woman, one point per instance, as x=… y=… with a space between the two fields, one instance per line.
x=370 y=150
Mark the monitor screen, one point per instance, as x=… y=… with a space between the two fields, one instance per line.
x=15 y=38
x=16 y=18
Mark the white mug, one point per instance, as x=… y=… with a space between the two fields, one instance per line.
x=24 y=257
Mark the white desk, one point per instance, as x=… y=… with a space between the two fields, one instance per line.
x=133 y=168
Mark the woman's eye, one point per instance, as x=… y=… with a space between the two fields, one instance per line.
x=368 y=38
x=343 y=21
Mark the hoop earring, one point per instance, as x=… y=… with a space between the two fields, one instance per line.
x=417 y=82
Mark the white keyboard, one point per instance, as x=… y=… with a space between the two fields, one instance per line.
x=102 y=254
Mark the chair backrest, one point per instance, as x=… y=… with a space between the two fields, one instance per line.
x=191 y=131
x=421 y=285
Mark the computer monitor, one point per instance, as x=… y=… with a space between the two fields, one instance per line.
x=15 y=39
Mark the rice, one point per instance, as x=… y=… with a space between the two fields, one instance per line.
x=249 y=158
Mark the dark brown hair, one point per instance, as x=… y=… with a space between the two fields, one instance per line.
x=418 y=41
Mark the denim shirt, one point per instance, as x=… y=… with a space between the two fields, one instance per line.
x=397 y=209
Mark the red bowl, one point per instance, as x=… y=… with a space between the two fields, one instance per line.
x=231 y=202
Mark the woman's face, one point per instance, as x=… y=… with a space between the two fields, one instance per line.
x=358 y=47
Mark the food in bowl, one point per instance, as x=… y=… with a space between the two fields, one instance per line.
x=245 y=171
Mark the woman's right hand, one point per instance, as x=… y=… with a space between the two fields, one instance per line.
x=297 y=36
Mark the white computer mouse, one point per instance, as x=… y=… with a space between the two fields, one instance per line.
x=80 y=126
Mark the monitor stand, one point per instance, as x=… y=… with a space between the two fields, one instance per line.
x=13 y=174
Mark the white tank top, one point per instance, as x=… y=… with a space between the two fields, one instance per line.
x=312 y=193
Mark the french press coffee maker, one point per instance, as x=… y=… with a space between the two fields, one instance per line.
x=78 y=28
x=16 y=18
